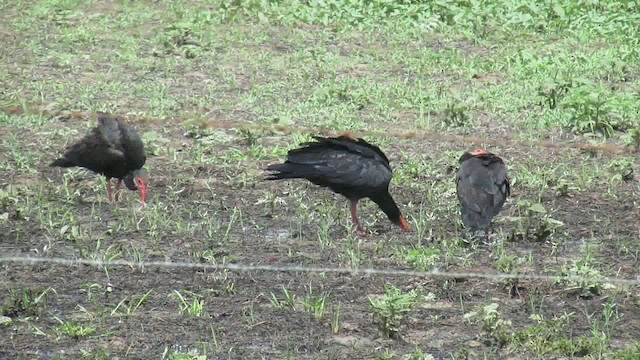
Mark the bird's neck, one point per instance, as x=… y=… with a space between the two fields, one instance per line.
x=387 y=205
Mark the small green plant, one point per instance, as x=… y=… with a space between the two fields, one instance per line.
x=456 y=114
x=587 y=275
x=533 y=222
x=554 y=90
x=192 y=307
x=287 y=301
x=335 y=320
x=180 y=38
x=73 y=329
x=423 y=258
x=314 y=304
x=621 y=169
x=591 y=112
x=25 y=302
x=154 y=143
x=417 y=354
x=544 y=337
x=129 y=305
x=507 y=264
x=630 y=352
x=248 y=312
x=391 y=308
x=492 y=323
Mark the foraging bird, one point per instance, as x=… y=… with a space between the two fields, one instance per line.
x=483 y=186
x=114 y=149
x=351 y=167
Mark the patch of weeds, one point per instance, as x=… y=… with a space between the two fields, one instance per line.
x=130 y=305
x=25 y=302
x=552 y=91
x=630 y=352
x=595 y=111
x=173 y=354
x=154 y=143
x=456 y=115
x=621 y=169
x=603 y=328
x=533 y=222
x=193 y=306
x=181 y=38
x=492 y=322
x=507 y=264
x=335 y=320
x=249 y=314
x=353 y=252
x=544 y=337
x=390 y=309
x=417 y=354
x=632 y=138
x=73 y=329
x=422 y=258
x=287 y=301
x=587 y=279
x=315 y=304
x=578 y=347
x=101 y=353
x=565 y=188
x=97 y=253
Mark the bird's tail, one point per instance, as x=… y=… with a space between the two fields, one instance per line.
x=287 y=171
x=62 y=162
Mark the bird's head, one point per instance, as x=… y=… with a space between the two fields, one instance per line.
x=477 y=152
x=469 y=154
x=138 y=180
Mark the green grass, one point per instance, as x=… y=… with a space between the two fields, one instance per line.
x=563 y=71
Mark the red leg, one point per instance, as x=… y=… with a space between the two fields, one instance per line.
x=353 y=204
x=117 y=195
x=109 y=189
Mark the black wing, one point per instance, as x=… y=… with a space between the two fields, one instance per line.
x=95 y=154
x=335 y=162
x=359 y=146
x=483 y=187
x=127 y=139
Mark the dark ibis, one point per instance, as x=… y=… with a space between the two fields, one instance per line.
x=483 y=186
x=114 y=149
x=351 y=167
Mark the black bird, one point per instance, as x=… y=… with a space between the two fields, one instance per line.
x=347 y=166
x=114 y=149
x=483 y=186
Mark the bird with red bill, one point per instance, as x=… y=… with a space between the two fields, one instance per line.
x=351 y=167
x=482 y=186
x=114 y=149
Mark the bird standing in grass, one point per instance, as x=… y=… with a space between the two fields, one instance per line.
x=114 y=149
x=347 y=166
x=483 y=186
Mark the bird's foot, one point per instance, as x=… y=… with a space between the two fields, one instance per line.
x=360 y=230
x=109 y=190
x=116 y=194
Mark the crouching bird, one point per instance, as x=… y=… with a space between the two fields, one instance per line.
x=483 y=186
x=347 y=166
x=114 y=149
